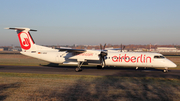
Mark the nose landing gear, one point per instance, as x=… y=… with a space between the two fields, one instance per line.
x=165 y=70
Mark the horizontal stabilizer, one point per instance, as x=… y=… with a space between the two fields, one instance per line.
x=21 y=29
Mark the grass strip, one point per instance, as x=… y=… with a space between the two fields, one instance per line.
x=61 y=76
x=58 y=87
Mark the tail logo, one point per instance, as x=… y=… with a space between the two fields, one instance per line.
x=24 y=40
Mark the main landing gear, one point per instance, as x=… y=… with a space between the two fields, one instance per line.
x=78 y=69
x=99 y=67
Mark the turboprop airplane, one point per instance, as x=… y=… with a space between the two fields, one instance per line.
x=80 y=57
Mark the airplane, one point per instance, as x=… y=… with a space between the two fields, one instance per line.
x=100 y=58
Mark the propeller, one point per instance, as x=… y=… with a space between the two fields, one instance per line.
x=122 y=47
x=102 y=55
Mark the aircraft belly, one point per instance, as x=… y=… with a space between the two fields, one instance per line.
x=119 y=63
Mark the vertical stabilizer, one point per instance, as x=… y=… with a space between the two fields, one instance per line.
x=25 y=38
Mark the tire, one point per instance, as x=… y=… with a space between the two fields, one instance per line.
x=99 y=67
x=77 y=70
x=165 y=70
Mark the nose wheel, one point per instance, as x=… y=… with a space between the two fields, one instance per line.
x=165 y=70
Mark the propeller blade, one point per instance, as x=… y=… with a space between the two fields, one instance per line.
x=101 y=47
x=102 y=55
x=104 y=62
x=121 y=47
x=124 y=47
x=104 y=46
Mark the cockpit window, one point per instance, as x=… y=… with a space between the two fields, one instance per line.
x=159 y=57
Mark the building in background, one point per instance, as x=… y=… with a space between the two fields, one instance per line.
x=167 y=49
x=1 y=49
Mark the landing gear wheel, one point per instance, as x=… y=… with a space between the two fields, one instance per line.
x=165 y=70
x=99 y=67
x=78 y=69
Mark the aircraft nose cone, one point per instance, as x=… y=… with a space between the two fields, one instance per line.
x=170 y=64
x=173 y=65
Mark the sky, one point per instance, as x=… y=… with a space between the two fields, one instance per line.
x=92 y=22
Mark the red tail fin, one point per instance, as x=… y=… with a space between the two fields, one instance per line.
x=25 y=39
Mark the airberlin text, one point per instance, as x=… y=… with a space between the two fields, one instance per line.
x=142 y=58
x=84 y=54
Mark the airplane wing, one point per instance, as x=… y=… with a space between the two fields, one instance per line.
x=71 y=50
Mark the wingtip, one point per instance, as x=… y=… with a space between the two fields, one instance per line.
x=6 y=28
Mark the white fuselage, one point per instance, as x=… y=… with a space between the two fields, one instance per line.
x=129 y=59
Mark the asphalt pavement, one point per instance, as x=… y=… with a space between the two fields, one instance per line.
x=70 y=70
